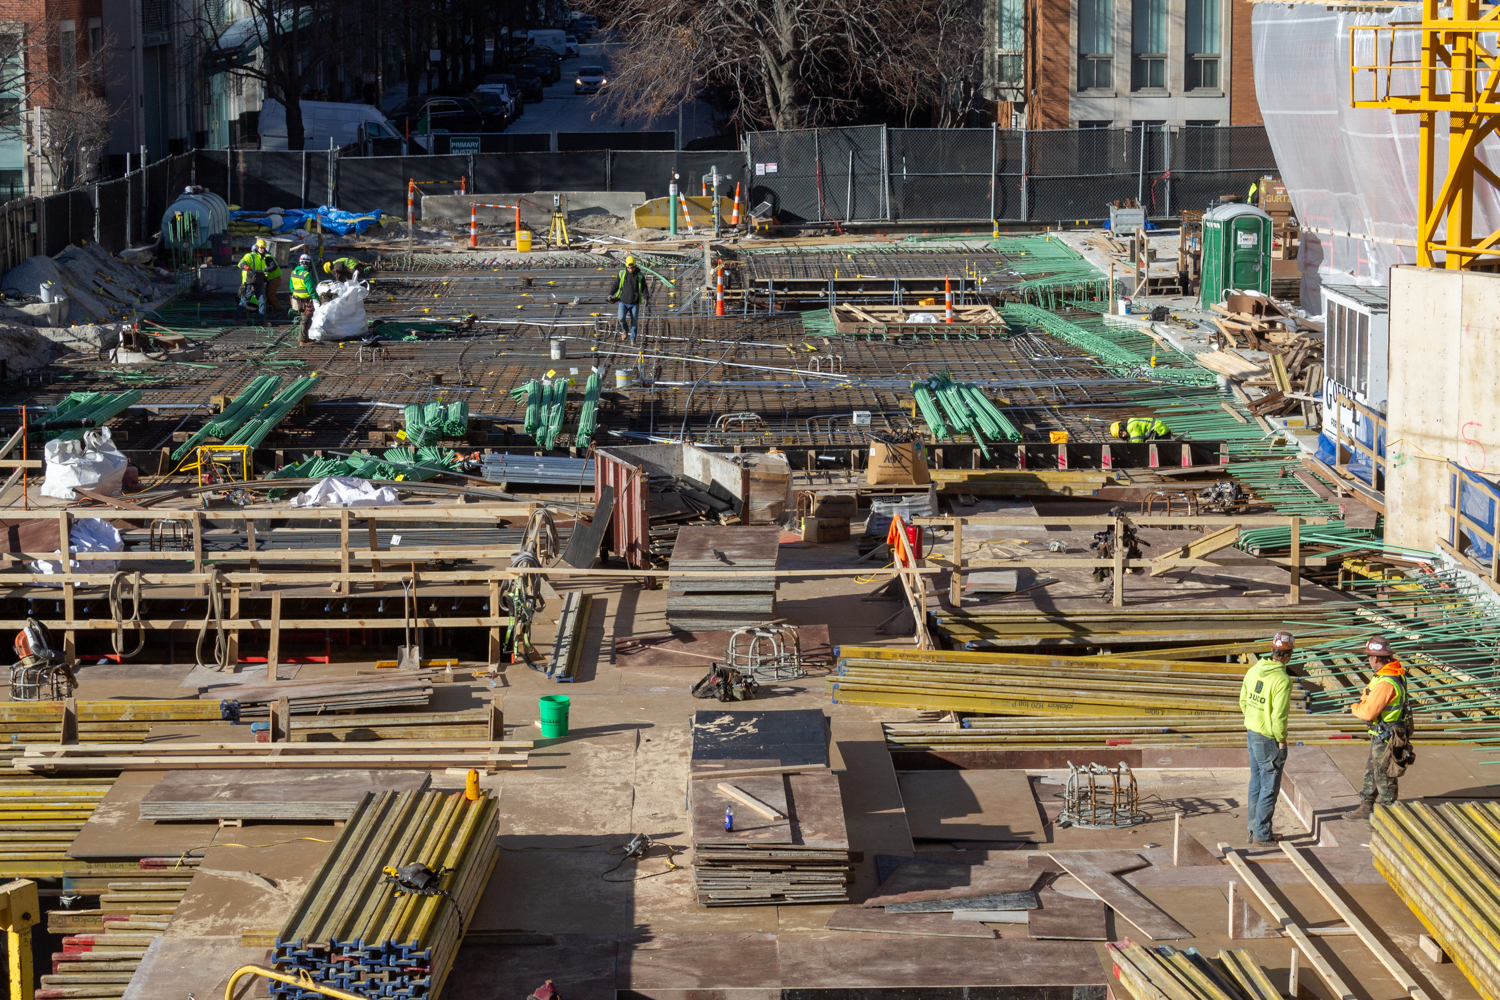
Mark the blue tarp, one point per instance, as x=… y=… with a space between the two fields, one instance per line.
x=1476 y=499
x=331 y=220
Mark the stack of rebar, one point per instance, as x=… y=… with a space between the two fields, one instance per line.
x=254 y=430
x=1163 y=971
x=1441 y=861
x=355 y=930
x=249 y=402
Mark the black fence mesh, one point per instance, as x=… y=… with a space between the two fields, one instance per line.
x=113 y=210
x=651 y=172
x=941 y=174
x=1209 y=162
x=819 y=175
x=573 y=141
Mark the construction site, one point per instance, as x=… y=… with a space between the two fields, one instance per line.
x=972 y=528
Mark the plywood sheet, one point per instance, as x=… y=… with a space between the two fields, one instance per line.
x=1064 y=918
x=971 y=805
x=792 y=737
x=919 y=882
x=991 y=901
x=901 y=961
x=729 y=547
x=699 y=649
x=270 y=794
x=177 y=967
x=750 y=827
x=817 y=811
x=706 y=961
x=1125 y=900
x=877 y=921
x=116 y=830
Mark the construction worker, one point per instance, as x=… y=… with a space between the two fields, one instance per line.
x=1254 y=188
x=1386 y=710
x=303 y=287
x=343 y=269
x=632 y=292
x=1139 y=429
x=261 y=261
x=252 y=296
x=1266 y=700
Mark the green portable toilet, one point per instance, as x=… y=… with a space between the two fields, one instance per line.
x=1236 y=251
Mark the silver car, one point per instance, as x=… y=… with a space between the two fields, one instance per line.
x=589 y=79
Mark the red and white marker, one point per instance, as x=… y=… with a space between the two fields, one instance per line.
x=947 y=299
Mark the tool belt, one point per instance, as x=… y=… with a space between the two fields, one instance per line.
x=1399 y=753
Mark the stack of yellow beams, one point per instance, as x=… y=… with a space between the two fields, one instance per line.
x=39 y=819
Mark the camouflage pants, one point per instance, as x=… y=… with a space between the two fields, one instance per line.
x=1379 y=786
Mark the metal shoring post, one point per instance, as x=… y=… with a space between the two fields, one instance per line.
x=672 y=206
x=714 y=173
x=1025 y=200
x=1140 y=173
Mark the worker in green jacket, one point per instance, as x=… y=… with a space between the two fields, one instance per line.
x=1139 y=429
x=343 y=269
x=631 y=291
x=1266 y=701
x=303 y=287
x=260 y=261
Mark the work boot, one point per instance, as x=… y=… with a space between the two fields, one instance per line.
x=1365 y=810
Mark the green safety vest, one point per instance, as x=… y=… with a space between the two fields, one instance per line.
x=302 y=283
x=1137 y=428
x=254 y=262
x=1394 y=712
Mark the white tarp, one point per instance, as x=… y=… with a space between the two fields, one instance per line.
x=343 y=318
x=89 y=534
x=1346 y=169
x=92 y=462
x=347 y=491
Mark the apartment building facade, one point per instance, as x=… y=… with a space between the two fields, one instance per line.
x=1121 y=63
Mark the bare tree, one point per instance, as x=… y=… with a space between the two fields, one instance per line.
x=789 y=63
x=281 y=44
x=938 y=64
x=55 y=99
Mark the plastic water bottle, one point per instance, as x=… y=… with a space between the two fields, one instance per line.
x=729 y=818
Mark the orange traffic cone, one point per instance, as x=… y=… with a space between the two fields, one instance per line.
x=947 y=299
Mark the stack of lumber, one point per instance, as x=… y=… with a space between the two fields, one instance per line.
x=1294 y=367
x=1441 y=861
x=98 y=721
x=1022 y=733
x=482 y=755
x=102 y=948
x=39 y=819
x=1164 y=971
x=331 y=695
x=470 y=724
x=1019 y=684
x=1020 y=482
x=723 y=601
x=788 y=842
x=354 y=932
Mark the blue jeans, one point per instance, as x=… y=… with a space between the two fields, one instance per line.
x=1267 y=761
x=631 y=311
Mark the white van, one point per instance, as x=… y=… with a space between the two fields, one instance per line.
x=322 y=121
x=549 y=38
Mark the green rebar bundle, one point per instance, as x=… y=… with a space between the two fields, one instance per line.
x=818 y=323
x=531 y=395
x=557 y=403
x=254 y=430
x=588 y=419
x=100 y=407
x=251 y=400
x=930 y=412
x=430 y=422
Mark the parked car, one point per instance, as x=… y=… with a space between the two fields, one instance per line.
x=529 y=79
x=323 y=121
x=570 y=47
x=589 y=79
x=510 y=83
x=547 y=62
x=495 y=105
x=552 y=38
x=426 y=115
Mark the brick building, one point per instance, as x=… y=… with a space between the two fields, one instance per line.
x=49 y=54
x=1117 y=63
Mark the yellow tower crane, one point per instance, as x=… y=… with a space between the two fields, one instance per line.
x=1448 y=72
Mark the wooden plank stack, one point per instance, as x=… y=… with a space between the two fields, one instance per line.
x=478 y=754
x=327 y=695
x=786 y=841
x=102 y=948
x=697 y=603
x=39 y=819
x=98 y=721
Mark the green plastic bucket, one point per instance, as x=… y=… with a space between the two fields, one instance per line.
x=554 y=714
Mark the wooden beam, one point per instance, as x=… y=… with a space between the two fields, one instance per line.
x=751 y=772
x=1394 y=967
x=275 y=648
x=746 y=799
x=1198 y=548
x=1341 y=990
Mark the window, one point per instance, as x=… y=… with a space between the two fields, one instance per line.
x=96 y=36
x=1095 y=124
x=1202 y=45
x=1010 y=44
x=67 y=51
x=1095 y=45
x=1148 y=45
x=10 y=112
x=1362 y=355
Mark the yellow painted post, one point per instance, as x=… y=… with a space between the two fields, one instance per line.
x=956 y=581
x=22 y=910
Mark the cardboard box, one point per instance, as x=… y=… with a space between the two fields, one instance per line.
x=830 y=505
x=825 y=529
x=897 y=464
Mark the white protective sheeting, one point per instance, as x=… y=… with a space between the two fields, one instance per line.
x=92 y=462
x=89 y=534
x=343 y=318
x=347 y=491
x=1346 y=169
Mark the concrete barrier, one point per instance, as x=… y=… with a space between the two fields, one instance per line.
x=536 y=206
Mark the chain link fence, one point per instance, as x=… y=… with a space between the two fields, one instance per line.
x=820 y=175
